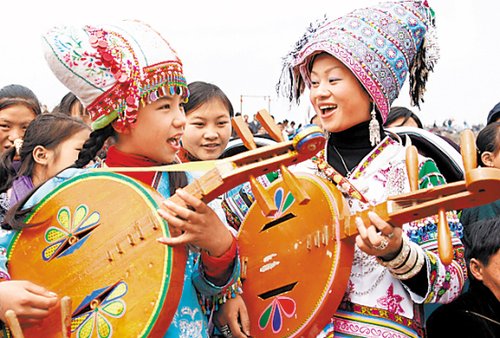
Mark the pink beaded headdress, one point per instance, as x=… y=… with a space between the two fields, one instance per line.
x=381 y=45
x=113 y=69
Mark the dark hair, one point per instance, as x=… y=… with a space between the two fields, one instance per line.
x=482 y=240
x=488 y=139
x=93 y=144
x=402 y=112
x=67 y=103
x=202 y=92
x=312 y=118
x=494 y=114
x=14 y=94
x=47 y=130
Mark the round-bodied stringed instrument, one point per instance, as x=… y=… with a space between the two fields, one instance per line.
x=84 y=245
x=296 y=262
x=94 y=239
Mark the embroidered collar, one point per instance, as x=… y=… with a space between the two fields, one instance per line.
x=334 y=176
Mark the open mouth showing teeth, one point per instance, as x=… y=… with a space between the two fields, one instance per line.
x=325 y=109
x=174 y=141
x=211 y=145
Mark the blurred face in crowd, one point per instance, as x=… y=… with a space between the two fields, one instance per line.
x=13 y=123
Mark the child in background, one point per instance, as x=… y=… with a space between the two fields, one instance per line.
x=133 y=87
x=208 y=123
x=207 y=133
x=70 y=105
x=354 y=67
x=51 y=143
x=18 y=107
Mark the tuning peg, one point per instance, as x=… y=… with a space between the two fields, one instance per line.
x=264 y=200
x=445 y=247
x=293 y=184
x=468 y=150
x=241 y=128
x=269 y=125
x=13 y=323
x=66 y=316
x=412 y=167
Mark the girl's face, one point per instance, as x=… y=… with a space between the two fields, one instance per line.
x=66 y=153
x=13 y=123
x=157 y=131
x=208 y=130
x=336 y=95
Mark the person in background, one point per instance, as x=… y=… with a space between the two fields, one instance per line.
x=18 y=107
x=208 y=123
x=488 y=156
x=52 y=143
x=206 y=135
x=401 y=116
x=476 y=313
x=494 y=114
x=255 y=125
x=71 y=106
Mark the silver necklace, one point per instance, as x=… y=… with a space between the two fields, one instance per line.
x=348 y=172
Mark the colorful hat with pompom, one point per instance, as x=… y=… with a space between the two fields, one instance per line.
x=113 y=69
x=379 y=44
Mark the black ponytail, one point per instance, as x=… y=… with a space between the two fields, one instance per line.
x=7 y=169
x=93 y=145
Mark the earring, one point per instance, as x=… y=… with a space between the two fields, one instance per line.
x=374 y=129
x=18 y=143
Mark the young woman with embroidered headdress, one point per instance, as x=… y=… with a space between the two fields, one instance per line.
x=354 y=68
x=132 y=85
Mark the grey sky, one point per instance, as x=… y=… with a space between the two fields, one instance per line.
x=238 y=45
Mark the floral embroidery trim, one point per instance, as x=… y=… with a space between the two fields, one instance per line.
x=383 y=314
x=335 y=177
x=374 y=154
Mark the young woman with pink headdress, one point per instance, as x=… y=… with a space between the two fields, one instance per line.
x=354 y=67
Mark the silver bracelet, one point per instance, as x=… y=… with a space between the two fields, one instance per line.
x=415 y=269
x=398 y=261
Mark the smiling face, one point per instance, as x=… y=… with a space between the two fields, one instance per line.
x=157 y=131
x=208 y=130
x=336 y=95
x=13 y=123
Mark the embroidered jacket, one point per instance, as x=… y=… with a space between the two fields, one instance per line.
x=376 y=304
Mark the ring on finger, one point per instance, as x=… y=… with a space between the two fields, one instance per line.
x=383 y=244
x=226 y=331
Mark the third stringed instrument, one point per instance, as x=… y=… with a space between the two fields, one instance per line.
x=297 y=261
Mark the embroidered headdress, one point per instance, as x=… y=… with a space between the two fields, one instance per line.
x=113 y=69
x=380 y=45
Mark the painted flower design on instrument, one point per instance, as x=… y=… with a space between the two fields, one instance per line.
x=72 y=232
x=274 y=313
x=93 y=322
x=282 y=202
